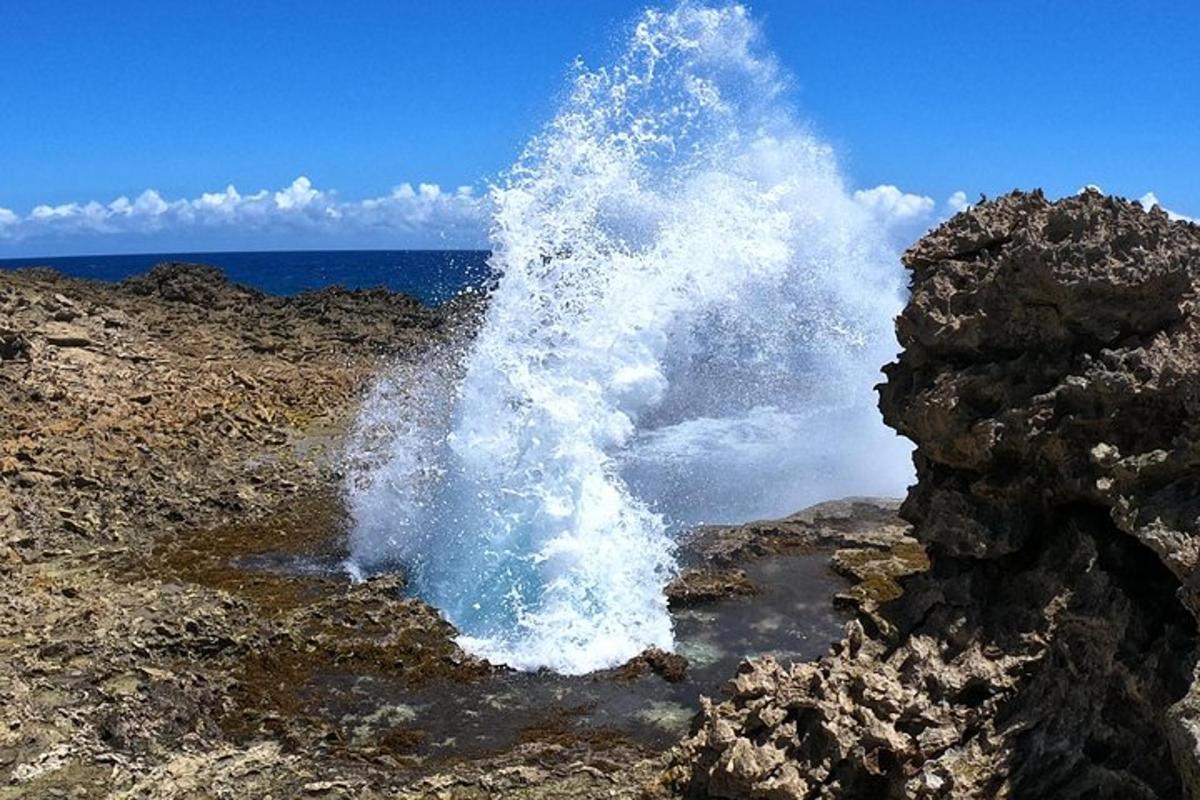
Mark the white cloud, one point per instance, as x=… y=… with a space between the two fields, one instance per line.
x=55 y=212
x=904 y=216
x=299 y=195
x=957 y=202
x=890 y=205
x=302 y=214
x=8 y=220
x=423 y=214
x=222 y=205
x=150 y=204
x=1149 y=200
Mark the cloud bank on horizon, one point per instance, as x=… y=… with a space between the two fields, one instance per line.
x=297 y=216
x=301 y=216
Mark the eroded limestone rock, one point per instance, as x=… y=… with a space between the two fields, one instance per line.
x=1051 y=381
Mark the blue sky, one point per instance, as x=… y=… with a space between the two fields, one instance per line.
x=107 y=100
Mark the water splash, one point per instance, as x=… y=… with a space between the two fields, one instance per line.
x=690 y=315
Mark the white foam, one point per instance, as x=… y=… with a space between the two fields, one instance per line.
x=689 y=320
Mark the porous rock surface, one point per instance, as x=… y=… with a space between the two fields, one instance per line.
x=132 y=407
x=168 y=446
x=167 y=449
x=1050 y=378
x=133 y=416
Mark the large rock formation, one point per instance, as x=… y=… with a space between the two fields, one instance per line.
x=1051 y=381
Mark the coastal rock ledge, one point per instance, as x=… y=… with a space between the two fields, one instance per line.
x=1051 y=382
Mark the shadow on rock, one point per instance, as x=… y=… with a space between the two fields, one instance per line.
x=1050 y=380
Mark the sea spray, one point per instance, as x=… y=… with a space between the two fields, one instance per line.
x=689 y=317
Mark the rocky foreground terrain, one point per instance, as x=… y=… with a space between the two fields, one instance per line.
x=133 y=416
x=1051 y=381
x=158 y=435
x=1027 y=629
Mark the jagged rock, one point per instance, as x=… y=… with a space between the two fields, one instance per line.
x=13 y=346
x=195 y=284
x=671 y=667
x=1051 y=381
x=697 y=585
x=134 y=416
x=147 y=403
x=62 y=334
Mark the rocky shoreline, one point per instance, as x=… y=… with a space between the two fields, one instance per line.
x=160 y=436
x=1024 y=625
x=136 y=416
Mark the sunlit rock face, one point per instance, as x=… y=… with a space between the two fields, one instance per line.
x=1051 y=381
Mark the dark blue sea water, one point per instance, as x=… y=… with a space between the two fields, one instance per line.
x=431 y=275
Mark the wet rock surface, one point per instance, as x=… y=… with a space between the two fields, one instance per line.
x=1051 y=381
x=867 y=542
x=175 y=623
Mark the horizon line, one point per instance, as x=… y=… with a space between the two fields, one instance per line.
x=4 y=259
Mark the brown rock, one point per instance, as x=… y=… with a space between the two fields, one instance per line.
x=1051 y=381
x=694 y=586
x=671 y=667
x=61 y=334
x=122 y=438
x=13 y=346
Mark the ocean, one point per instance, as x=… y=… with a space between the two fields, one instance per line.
x=431 y=275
